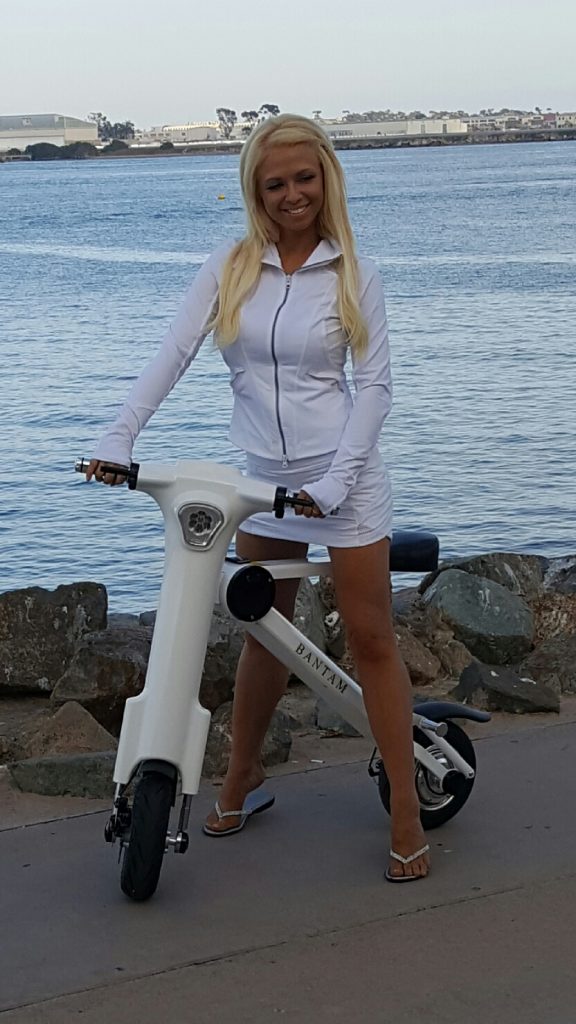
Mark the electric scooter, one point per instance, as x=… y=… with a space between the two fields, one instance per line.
x=165 y=728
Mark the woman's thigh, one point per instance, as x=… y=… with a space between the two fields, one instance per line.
x=261 y=549
x=362 y=582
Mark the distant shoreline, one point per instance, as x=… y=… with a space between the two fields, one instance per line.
x=221 y=147
x=373 y=142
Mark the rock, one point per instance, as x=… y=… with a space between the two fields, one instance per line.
x=39 y=630
x=335 y=634
x=20 y=718
x=86 y=775
x=147 y=618
x=276 y=748
x=553 y=663
x=329 y=721
x=327 y=593
x=426 y=623
x=72 y=730
x=554 y=615
x=561 y=575
x=493 y=688
x=523 y=575
x=423 y=666
x=107 y=668
x=403 y=600
x=121 y=620
x=224 y=646
x=309 y=614
x=494 y=624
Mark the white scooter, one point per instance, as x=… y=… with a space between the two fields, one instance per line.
x=165 y=728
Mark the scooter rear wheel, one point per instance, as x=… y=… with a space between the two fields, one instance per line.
x=144 y=852
x=436 y=806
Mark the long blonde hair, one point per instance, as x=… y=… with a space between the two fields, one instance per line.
x=243 y=266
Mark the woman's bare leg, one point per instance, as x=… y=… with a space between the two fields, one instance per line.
x=361 y=578
x=261 y=681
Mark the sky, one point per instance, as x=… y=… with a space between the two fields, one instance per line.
x=159 y=62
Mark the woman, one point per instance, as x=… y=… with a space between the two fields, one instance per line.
x=286 y=305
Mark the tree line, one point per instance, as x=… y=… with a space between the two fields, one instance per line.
x=107 y=131
x=227 y=118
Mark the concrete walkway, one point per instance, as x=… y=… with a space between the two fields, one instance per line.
x=292 y=919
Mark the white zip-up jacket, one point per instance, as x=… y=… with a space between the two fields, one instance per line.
x=287 y=369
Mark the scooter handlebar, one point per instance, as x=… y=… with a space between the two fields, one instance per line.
x=131 y=472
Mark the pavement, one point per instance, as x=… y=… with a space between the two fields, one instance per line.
x=291 y=919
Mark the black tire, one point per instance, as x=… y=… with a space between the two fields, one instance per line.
x=436 y=807
x=144 y=852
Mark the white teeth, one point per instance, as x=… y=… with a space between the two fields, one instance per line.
x=294 y=213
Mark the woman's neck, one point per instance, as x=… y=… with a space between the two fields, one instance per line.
x=294 y=250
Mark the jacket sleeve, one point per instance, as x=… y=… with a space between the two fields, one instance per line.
x=372 y=403
x=179 y=347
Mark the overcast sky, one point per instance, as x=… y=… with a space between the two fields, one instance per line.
x=170 y=61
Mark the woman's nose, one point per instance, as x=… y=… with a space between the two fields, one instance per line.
x=292 y=191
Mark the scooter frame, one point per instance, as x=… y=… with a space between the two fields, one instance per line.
x=203 y=504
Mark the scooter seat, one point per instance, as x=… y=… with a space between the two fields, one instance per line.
x=413 y=551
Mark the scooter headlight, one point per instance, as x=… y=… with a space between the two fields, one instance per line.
x=200 y=524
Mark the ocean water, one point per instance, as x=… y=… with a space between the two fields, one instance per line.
x=477 y=251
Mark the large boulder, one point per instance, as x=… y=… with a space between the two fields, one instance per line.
x=423 y=666
x=523 y=575
x=553 y=663
x=85 y=775
x=71 y=730
x=494 y=688
x=493 y=623
x=561 y=575
x=276 y=749
x=554 y=615
x=39 y=631
x=107 y=668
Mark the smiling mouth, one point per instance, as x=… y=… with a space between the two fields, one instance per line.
x=297 y=212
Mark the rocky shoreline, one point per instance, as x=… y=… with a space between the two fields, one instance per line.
x=497 y=631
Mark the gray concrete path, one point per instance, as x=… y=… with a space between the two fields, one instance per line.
x=292 y=920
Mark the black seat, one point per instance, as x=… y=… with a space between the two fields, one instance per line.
x=413 y=551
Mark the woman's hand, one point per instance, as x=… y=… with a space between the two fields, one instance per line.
x=113 y=479
x=311 y=513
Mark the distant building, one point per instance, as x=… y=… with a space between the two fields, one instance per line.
x=194 y=131
x=20 y=130
x=338 y=129
x=566 y=120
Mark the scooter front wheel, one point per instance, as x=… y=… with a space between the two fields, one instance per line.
x=144 y=850
x=436 y=805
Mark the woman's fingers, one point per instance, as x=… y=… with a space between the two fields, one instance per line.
x=310 y=511
x=96 y=469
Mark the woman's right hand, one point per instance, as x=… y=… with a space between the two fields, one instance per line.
x=95 y=470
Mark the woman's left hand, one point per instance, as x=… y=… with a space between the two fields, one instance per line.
x=311 y=513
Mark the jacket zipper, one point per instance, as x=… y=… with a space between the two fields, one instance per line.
x=276 y=368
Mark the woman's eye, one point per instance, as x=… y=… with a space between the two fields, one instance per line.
x=272 y=188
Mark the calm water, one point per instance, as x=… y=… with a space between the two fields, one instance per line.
x=477 y=249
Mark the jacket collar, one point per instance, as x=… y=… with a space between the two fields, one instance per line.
x=325 y=252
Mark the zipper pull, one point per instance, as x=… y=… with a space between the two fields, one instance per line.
x=284 y=461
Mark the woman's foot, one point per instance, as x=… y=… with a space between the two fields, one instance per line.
x=407 y=839
x=234 y=792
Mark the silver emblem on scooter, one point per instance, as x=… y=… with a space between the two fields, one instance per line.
x=200 y=524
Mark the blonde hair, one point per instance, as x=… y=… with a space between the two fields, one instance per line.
x=243 y=266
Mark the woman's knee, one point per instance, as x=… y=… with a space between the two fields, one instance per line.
x=370 y=643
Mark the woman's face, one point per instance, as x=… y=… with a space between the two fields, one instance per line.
x=291 y=187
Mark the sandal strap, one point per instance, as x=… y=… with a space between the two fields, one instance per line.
x=413 y=856
x=227 y=814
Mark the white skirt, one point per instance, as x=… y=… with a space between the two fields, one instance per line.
x=364 y=518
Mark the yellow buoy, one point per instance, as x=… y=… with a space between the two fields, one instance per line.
x=221 y=197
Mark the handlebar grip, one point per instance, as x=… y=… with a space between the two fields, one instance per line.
x=131 y=472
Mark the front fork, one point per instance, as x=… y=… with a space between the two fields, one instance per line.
x=120 y=821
